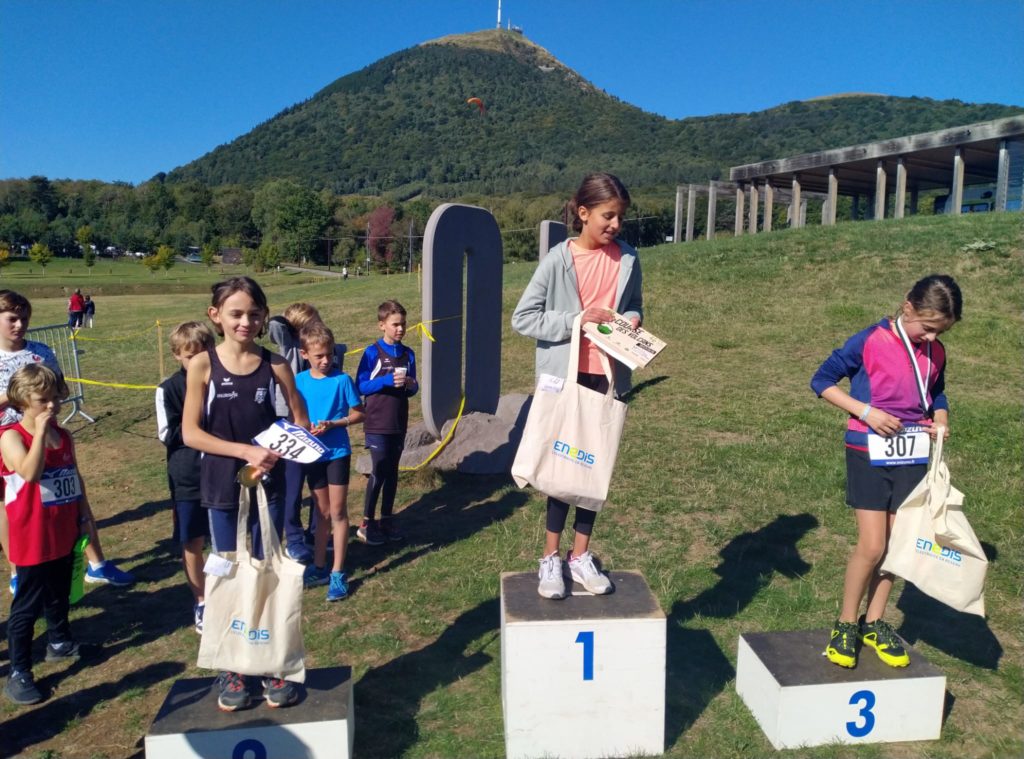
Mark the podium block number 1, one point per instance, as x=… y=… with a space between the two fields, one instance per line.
x=865 y=699
x=587 y=639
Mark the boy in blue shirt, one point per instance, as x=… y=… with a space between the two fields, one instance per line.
x=387 y=379
x=334 y=406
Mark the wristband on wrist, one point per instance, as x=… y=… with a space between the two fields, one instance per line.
x=865 y=412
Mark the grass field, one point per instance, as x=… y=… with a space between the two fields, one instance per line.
x=728 y=497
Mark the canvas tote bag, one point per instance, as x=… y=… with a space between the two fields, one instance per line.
x=933 y=546
x=253 y=619
x=571 y=438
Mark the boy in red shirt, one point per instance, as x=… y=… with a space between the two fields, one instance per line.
x=47 y=510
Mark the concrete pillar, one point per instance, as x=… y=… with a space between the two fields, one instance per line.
x=677 y=228
x=803 y=213
x=828 y=211
x=1003 y=176
x=691 y=212
x=752 y=223
x=709 y=233
x=880 y=190
x=769 y=197
x=794 y=204
x=914 y=194
x=957 y=190
x=901 y=188
x=740 y=200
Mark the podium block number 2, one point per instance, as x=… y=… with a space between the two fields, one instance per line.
x=865 y=699
x=587 y=639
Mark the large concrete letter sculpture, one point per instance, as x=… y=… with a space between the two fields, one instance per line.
x=455 y=232
x=551 y=233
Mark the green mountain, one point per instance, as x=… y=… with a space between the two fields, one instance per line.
x=403 y=125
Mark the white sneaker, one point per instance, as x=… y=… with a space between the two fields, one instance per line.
x=551 y=583
x=585 y=573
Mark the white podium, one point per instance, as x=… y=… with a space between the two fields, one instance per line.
x=320 y=726
x=799 y=698
x=585 y=676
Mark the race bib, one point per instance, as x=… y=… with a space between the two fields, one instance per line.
x=289 y=441
x=911 y=445
x=60 y=485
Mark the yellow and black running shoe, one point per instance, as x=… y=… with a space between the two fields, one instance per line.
x=887 y=644
x=842 y=645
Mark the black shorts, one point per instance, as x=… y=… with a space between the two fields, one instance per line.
x=879 y=488
x=320 y=474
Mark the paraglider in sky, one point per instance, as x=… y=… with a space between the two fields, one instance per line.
x=478 y=103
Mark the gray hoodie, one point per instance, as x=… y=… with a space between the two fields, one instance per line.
x=551 y=302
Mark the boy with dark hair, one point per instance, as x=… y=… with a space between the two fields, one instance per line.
x=387 y=379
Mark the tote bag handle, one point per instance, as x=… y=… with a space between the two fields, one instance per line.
x=574 y=357
x=268 y=535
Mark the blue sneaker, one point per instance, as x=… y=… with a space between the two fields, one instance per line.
x=299 y=552
x=314 y=576
x=338 y=588
x=14 y=584
x=109 y=574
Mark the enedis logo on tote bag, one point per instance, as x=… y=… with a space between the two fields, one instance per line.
x=578 y=455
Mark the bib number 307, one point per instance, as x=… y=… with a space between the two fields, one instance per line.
x=911 y=445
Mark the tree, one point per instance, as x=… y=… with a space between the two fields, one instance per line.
x=380 y=244
x=291 y=216
x=5 y=254
x=207 y=254
x=83 y=235
x=40 y=254
x=165 y=254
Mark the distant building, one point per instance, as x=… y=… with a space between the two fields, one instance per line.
x=231 y=255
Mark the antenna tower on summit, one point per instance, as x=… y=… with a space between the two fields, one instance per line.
x=499 y=14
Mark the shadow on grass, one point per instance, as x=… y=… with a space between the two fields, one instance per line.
x=696 y=668
x=966 y=637
x=394 y=690
x=463 y=505
x=142 y=511
x=637 y=389
x=49 y=719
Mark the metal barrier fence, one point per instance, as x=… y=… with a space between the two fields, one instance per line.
x=61 y=340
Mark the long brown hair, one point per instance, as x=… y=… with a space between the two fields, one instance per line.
x=938 y=294
x=595 y=189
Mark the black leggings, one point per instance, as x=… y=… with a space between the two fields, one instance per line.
x=42 y=589
x=385 y=454
x=558 y=513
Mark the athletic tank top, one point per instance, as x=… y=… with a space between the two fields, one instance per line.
x=238 y=407
x=43 y=516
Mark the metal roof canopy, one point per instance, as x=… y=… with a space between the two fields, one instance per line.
x=927 y=157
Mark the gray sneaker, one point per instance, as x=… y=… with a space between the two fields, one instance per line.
x=21 y=689
x=552 y=585
x=586 y=574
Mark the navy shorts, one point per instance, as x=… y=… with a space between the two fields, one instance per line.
x=879 y=488
x=224 y=523
x=190 y=522
x=320 y=474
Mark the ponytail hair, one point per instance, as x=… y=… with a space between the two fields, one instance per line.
x=938 y=294
x=593 y=190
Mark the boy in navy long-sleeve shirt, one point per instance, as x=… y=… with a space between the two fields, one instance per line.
x=387 y=379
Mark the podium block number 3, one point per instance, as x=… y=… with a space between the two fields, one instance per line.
x=250 y=747
x=587 y=639
x=865 y=699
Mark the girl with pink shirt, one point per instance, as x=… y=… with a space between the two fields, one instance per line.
x=595 y=274
x=895 y=404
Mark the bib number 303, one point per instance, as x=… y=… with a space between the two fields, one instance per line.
x=911 y=445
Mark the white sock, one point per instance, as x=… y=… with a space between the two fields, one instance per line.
x=96 y=565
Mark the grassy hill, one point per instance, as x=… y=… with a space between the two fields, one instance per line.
x=402 y=124
x=728 y=496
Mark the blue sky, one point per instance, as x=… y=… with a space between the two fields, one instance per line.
x=123 y=89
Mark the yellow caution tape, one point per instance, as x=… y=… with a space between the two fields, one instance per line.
x=110 y=384
x=441 y=445
x=77 y=335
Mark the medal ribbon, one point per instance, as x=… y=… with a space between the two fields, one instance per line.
x=919 y=380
